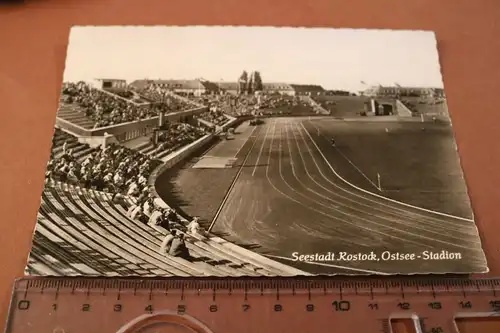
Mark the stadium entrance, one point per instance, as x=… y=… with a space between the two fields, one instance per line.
x=382 y=108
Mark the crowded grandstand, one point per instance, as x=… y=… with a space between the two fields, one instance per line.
x=100 y=214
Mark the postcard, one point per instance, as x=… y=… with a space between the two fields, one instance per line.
x=253 y=151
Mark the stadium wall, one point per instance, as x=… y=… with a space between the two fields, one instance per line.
x=177 y=156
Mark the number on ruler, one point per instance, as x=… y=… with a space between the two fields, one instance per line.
x=181 y=309
x=23 y=305
x=86 y=307
x=341 y=306
x=435 y=305
x=495 y=305
x=278 y=308
x=437 y=330
x=245 y=307
x=149 y=308
x=54 y=307
x=213 y=308
x=404 y=306
x=373 y=306
x=117 y=308
x=466 y=305
x=310 y=307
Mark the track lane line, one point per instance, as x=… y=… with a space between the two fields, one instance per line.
x=290 y=198
x=260 y=152
x=403 y=232
x=334 y=217
x=396 y=217
x=233 y=183
x=432 y=220
x=376 y=195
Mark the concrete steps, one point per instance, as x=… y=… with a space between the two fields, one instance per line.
x=82 y=232
x=75 y=115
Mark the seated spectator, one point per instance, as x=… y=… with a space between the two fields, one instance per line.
x=118 y=199
x=136 y=212
x=131 y=209
x=179 y=248
x=155 y=217
x=167 y=242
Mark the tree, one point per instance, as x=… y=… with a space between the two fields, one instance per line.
x=242 y=81
x=257 y=82
x=250 y=84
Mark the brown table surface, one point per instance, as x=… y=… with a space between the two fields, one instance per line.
x=33 y=41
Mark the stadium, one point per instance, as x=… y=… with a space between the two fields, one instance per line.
x=246 y=176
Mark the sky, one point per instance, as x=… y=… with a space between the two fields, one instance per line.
x=333 y=58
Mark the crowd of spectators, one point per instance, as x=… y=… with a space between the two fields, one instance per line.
x=130 y=95
x=214 y=116
x=171 y=136
x=104 y=108
x=242 y=105
x=163 y=96
x=114 y=169
x=124 y=173
x=233 y=105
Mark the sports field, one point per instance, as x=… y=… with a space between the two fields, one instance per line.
x=290 y=191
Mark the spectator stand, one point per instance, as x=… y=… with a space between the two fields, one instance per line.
x=127 y=131
x=96 y=228
x=83 y=104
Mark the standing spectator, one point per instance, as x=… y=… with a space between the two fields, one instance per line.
x=193 y=228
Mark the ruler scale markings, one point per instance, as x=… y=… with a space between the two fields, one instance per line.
x=56 y=294
x=350 y=291
x=26 y=291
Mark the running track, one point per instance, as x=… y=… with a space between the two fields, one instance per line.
x=287 y=198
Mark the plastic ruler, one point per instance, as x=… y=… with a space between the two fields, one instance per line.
x=437 y=305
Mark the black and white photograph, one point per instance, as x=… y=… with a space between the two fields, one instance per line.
x=253 y=151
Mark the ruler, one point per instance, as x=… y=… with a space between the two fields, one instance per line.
x=422 y=305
